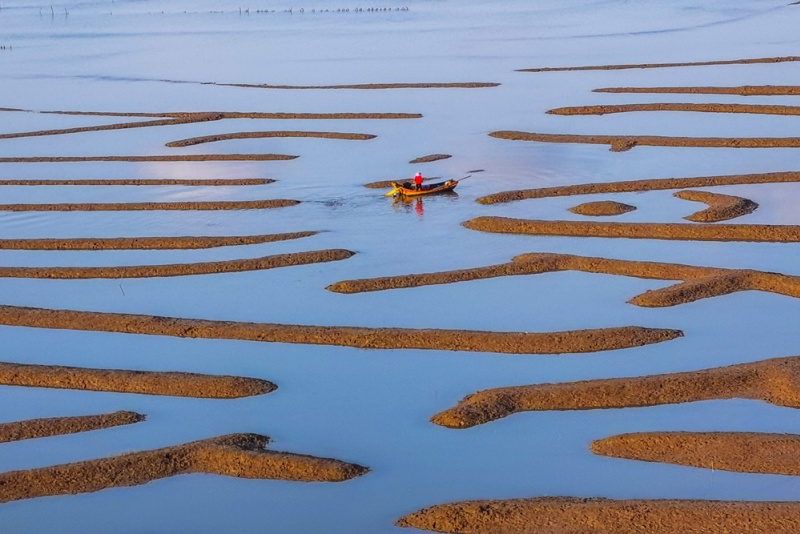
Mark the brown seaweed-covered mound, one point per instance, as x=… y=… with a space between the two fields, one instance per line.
x=668 y=65
x=603 y=208
x=776 y=381
x=152 y=206
x=640 y=185
x=172 y=383
x=698 y=282
x=146 y=243
x=744 y=90
x=178 y=269
x=573 y=515
x=140 y=159
x=622 y=143
x=430 y=158
x=262 y=135
x=57 y=426
x=720 y=207
x=200 y=182
x=760 y=233
x=349 y=336
x=236 y=455
x=675 y=106
x=743 y=452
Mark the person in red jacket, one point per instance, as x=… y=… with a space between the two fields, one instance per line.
x=418 y=181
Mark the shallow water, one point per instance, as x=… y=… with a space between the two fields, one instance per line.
x=372 y=407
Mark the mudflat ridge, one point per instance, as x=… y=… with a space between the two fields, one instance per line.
x=155 y=206
x=57 y=426
x=271 y=134
x=747 y=61
x=146 y=243
x=201 y=182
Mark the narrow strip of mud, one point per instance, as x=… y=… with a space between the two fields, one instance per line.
x=774 y=381
x=147 y=181
x=741 y=452
x=347 y=336
x=156 y=206
x=58 y=426
x=759 y=233
x=99 y=128
x=720 y=207
x=750 y=61
x=603 y=208
x=641 y=185
x=622 y=143
x=201 y=116
x=178 y=269
x=262 y=135
x=378 y=86
x=744 y=90
x=236 y=455
x=430 y=158
x=574 y=515
x=140 y=159
x=166 y=383
x=146 y=243
x=701 y=108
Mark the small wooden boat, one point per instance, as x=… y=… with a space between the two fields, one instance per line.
x=407 y=189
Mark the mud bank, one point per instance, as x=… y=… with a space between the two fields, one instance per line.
x=147 y=243
x=57 y=426
x=774 y=381
x=758 y=233
x=742 y=452
x=701 y=108
x=430 y=158
x=236 y=455
x=449 y=85
x=743 y=90
x=750 y=61
x=145 y=206
x=146 y=181
x=603 y=208
x=166 y=383
x=360 y=337
x=264 y=135
x=140 y=159
x=178 y=269
x=573 y=515
x=203 y=116
x=656 y=184
x=622 y=143
x=720 y=207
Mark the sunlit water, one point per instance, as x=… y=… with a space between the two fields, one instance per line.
x=372 y=407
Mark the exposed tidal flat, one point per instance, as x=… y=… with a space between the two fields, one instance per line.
x=190 y=262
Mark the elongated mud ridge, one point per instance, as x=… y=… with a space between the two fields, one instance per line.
x=776 y=381
x=446 y=85
x=430 y=158
x=750 y=61
x=720 y=207
x=603 y=208
x=743 y=90
x=156 y=206
x=166 y=383
x=146 y=181
x=203 y=116
x=742 y=452
x=236 y=455
x=178 y=269
x=656 y=184
x=698 y=282
x=58 y=426
x=760 y=233
x=100 y=128
x=574 y=515
x=271 y=134
x=347 y=336
x=701 y=108
x=140 y=159
x=622 y=143
x=146 y=243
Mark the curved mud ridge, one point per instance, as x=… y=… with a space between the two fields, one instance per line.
x=263 y=135
x=156 y=206
x=430 y=158
x=742 y=452
x=674 y=106
x=603 y=208
x=776 y=381
x=656 y=184
x=759 y=233
x=445 y=85
x=622 y=143
x=166 y=383
x=178 y=269
x=58 y=426
x=236 y=455
x=743 y=90
x=347 y=336
x=574 y=515
x=139 y=159
x=720 y=207
x=146 y=181
x=147 y=243
x=204 y=116
x=749 y=61
x=698 y=282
